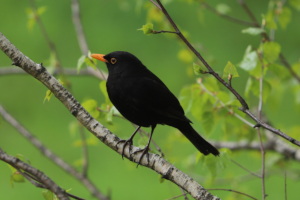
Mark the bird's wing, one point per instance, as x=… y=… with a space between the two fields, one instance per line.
x=153 y=96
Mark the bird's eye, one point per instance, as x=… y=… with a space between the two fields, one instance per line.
x=113 y=60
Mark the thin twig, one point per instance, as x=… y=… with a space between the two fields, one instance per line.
x=230 y=18
x=230 y=190
x=85 y=154
x=244 y=168
x=82 y=39
x=259 y=111
x=49 y=42
x=285 y=187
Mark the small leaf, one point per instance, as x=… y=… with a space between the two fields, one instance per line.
x=271 y=51
x=48 y=96
x=223 y=8
x=253 y=31
x=91 y=106
x=147 y=28
x=48 y=195
x=284 y=17
x=80 y=63
x=198 y=69
x=270 y=21
x=17 y=177
x=102 y=86
x=230 y=71
x=250 y=59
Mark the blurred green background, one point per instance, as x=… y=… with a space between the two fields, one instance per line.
x=110 y=26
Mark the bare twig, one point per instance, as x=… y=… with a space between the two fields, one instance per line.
x=285 y=187
x=82 y=39
x=50 y=43
x=85 y=154
x=244 y=168
x=40 y=176
x=4 y=71
x=259 y=111
x=78 y=27
x=152 y=161
x=230 y=190
x=230 y=18
x=51 y=156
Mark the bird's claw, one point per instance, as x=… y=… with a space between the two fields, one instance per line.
x=126 y=142
x=144 y=152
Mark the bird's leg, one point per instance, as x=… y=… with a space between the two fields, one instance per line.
x=146 y=149
x=129 y=141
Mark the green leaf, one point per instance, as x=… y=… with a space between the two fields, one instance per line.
x=270 y=20
x=198 y=69
x=253 y=86
x=48 y=96
x=80 y=63
x=147 y=28
x=250 y=59
x=271 y=51
x=91 y=106
x=223 y=8
x=185 y=55
x=48 y=195
x=284 y=17
x=230 y=71
x=253 y=31
x=31 y=15
x=102 y=86
x=17 y=177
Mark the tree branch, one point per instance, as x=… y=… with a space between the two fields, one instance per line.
x=152 y=161
x=38 y=175
x=245 y=107
x=51 y=156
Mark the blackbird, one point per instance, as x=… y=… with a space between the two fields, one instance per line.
x=143 y=99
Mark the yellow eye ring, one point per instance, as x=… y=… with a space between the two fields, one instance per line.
x=113 y=60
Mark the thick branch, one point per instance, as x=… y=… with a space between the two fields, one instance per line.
x=155 y=162
x=38 y=175
x=51 y=156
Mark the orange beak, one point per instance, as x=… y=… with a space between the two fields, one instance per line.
x=99 y=57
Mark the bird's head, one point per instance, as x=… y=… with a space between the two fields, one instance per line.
x=119 y=61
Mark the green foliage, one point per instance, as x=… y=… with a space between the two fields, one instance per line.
x=230 y=71
x=271 y=51
x=48 y=195
x=91 y=106
x=198 y=69
x=147 y=28
x=32 y=15
x=250 y=59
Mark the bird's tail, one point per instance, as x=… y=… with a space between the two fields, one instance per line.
x=200 y=143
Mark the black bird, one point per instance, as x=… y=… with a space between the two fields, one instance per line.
x=143 y=99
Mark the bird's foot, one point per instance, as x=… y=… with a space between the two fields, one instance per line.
x=144 y=152
x=126 y=142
